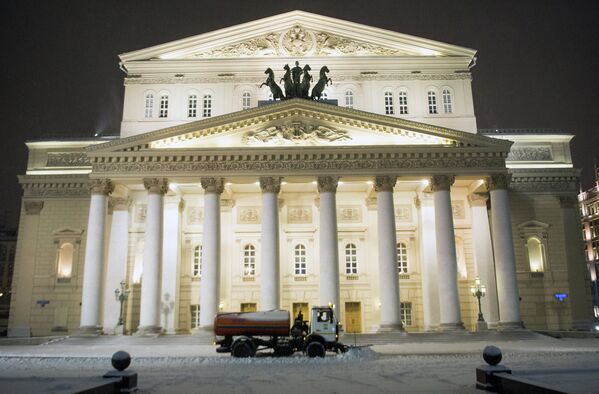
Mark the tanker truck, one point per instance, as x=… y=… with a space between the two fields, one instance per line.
x=244 y=333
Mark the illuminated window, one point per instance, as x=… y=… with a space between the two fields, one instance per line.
x=246 y=100
x=432 y=102
x=192 y=106
x=299 y=257
x=536 y=255
x=196 y=263
x=389 y=103
x=406 y=313
x=447 y=101
x=249 y=261
x=403 y=102
x=349 y=99
x=402 y=258
x=195 y=316
x=207 y=106
x=351 y=259
x=65 y=261
x=149 y=105
x=163 y=106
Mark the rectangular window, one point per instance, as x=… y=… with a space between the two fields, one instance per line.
x=432 y=102
x=349 y=99
x=248 y=307
x=300 y=260
x=149 y=105
x=163 y=107
x=406 y=313
x=192 y=106
x=195 y=316
x=447 y=104
x=403 y=103
x=389 y=103
x=351 y=259
x=249 y=261
x=207 y=106
x=196 y=265
x=246 y=101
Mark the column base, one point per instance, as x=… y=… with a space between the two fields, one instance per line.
x=510 y=326
x=88 y=331
x=387 y=328
x=493 y=325
x=19 y=332
x=452 y=327
x=582 y=325
x=148 y=331
x=481 y=326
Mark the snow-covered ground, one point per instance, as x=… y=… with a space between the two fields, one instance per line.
x=180 y=366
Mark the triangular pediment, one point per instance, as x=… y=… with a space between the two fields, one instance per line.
x=299 y=123
x=297 y=34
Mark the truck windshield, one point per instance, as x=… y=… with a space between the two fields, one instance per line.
x=323 y=316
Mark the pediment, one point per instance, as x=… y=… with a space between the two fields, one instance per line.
x=297 y=34
x=298 y=123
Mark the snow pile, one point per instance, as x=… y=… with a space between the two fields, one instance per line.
x=359 y=353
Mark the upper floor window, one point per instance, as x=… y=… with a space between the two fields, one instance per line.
x=163 y=106
x=207 y=106
x=246 y=100
x=432 y=102
x=447 y=101
x=249 y=260
x=192 y=106
x=402 y=258
x=403 y=102
x=389 y=103
x=196 y=262
x=149 y=106
x=536 y=255
x=65 y=261
x=351 y=259
x=349 y=99
x=299 y=257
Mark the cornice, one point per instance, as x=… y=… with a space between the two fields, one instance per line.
x=54 y=186
x=546 y=180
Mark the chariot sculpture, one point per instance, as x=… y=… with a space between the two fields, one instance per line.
x=296 y=83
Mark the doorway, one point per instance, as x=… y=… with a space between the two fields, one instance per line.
x=353 y=317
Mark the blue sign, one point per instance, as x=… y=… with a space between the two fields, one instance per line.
x=43 y=303
x=561 y=297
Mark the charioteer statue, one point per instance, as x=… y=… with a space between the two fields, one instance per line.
x=296 y=83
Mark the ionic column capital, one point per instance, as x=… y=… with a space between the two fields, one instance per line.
x=270 y=184
x=100 y=186
x=478 y=199
x=384 y=183
x=213 y=185
x=498 y=181
x=156 y=185
x=33 y=207
x=327 y=183
x=441 y=182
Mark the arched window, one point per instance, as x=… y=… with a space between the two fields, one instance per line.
x=149 y=106
x=447 y=101
x=163 y=106
x=402 y=258
x=192 y=106
x=207 y=106
x=349 y=99
x=246 y=100
x=65 y=260
x=351 y=259
x=389 y=103
x=249 y=261
x=196 y=262
x=432 y=102
x=403 y=102
x=299 y=258
x=536 y=255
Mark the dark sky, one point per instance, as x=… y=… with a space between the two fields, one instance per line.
x=538 y=61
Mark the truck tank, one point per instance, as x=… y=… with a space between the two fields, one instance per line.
x=267 y=323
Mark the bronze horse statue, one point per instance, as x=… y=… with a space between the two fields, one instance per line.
x=305 y=85
x=288 y=83
x=276 y=91
x=323 y=81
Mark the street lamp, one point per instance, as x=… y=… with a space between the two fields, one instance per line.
x=121 y=296
x=478 y=291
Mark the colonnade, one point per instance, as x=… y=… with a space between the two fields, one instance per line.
x=440 y=285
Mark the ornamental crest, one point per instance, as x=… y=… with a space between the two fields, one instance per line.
x=296 y=133
x=297 y=41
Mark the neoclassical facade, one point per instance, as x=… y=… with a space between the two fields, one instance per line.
x=384 y=199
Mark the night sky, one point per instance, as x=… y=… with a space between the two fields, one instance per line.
x=538 y=61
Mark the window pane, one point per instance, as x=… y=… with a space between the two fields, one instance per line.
x=207 y=106
x=432 y=102
x=163 y=107
x=447 y=104
x=389 y=103
x=192 y=106
x=349 y=99
x=403 y=103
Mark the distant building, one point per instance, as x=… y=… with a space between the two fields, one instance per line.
x=589 y=207
x=8 y=244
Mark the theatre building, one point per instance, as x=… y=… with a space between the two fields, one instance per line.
x=382 y=197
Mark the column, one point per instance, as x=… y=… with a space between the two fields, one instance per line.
x=483 y=256
x=269 y=281
x=171 y=258
x=209 y=297
x=22 y=285
x=91 y=298
x=329 y=248
x=116 y=268
x=387 y=240
x=503 y=247
x=149 y=316
x=428 y=261
x=447 y=266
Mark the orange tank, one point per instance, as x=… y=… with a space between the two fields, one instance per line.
x=268 y=323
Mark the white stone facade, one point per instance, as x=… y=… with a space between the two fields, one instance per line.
x=390 y=216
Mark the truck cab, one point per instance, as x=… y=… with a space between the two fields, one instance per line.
x=324 y=324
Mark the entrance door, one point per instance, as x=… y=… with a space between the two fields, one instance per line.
x=248 y=307
x=353 y=317
x=300 y=306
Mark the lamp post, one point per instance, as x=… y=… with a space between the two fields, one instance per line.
x=479 y=291
x=121 y=296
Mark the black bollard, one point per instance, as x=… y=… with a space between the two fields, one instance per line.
x=484 y=373
x=128 y=379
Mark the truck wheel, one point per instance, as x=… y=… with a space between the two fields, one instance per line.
x=315 y=349
x=243 y=349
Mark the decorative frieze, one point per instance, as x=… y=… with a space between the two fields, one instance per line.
x=67 y=159
x=248 y=215
x=349 y=214
x=458 y=209
x=195 y=215
x=545 y=183
x=441 y=182
x=100 y=186
x=327 y=183
x=140 y=213
x=213 y=185
x=384 y=183
x=403 y=213
x=156 y=185
x=498 y=181
x=296 y=133
x=33 y=207
x=270 y=184
x=530 y=153
x=299 y=214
